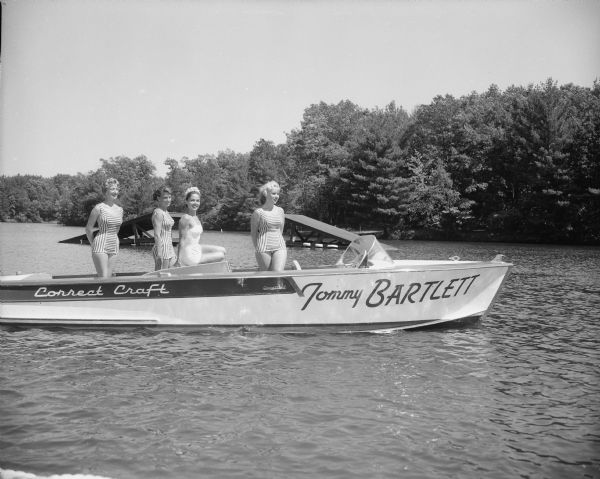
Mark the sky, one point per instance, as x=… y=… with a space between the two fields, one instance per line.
x=83 y=80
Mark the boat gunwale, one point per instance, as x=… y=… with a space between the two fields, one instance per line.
x=323 y=271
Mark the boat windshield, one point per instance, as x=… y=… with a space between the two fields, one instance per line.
x=363 y=252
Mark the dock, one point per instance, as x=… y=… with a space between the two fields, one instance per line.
x=302 y=231
x=308 y=232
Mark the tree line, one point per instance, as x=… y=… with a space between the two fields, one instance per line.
x=516 y=165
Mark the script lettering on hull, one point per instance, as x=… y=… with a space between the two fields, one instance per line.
x=123 y=289
x=384 y=293
x=119 y=290
x=314 y=290
x=44 y=292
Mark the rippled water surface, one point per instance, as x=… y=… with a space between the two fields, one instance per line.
x=517 y=395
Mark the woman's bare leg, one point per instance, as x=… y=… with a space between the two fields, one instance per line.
x=101 y=264
x=212 y=253
x=161 y=263
x=111 y=264
x=213 y=248
x=213 y=257
x=278 y=260
x=263 y=260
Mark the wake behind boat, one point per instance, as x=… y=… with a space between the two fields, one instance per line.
x=365 y=291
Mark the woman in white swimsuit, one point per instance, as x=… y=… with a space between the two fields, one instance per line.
x=190 y=252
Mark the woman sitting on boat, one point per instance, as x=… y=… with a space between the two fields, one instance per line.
x=190 y=252
x=109 y=217
x=266 y=229
x=163 y=252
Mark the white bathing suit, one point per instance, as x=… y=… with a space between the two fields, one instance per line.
x=190 y=252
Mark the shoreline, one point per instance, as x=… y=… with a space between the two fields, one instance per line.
x=410 y=235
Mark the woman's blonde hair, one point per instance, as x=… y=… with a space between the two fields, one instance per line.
x=109 y=183
x=270 y=186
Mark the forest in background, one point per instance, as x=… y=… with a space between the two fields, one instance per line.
x=516 y=165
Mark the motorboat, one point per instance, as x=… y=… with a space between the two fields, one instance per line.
x=365 y=291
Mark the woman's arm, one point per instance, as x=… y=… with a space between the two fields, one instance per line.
x=254 y=227
x=182 y=233
x=89 y=227
x=157 y=226
x=282 y=227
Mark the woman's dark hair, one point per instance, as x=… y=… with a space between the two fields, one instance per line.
x=158 y=193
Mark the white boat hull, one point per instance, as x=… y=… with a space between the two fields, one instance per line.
x=406 y=295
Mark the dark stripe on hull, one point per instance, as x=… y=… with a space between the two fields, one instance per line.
x=279 y=328
x=154 y=288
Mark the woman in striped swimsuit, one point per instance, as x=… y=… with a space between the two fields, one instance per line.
x=109 y=216
x=163 y=252
x=266 y=229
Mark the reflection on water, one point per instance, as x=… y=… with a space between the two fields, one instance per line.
x=516 y=396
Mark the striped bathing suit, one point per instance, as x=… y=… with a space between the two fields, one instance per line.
x=269 y=237
x=109 y=222
x=165 y=251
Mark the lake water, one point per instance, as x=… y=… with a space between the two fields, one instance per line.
x=517 y=395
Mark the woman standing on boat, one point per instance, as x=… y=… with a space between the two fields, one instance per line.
x=190 y=252
x=266 y=229
x=163 y=252
x=109 y=217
